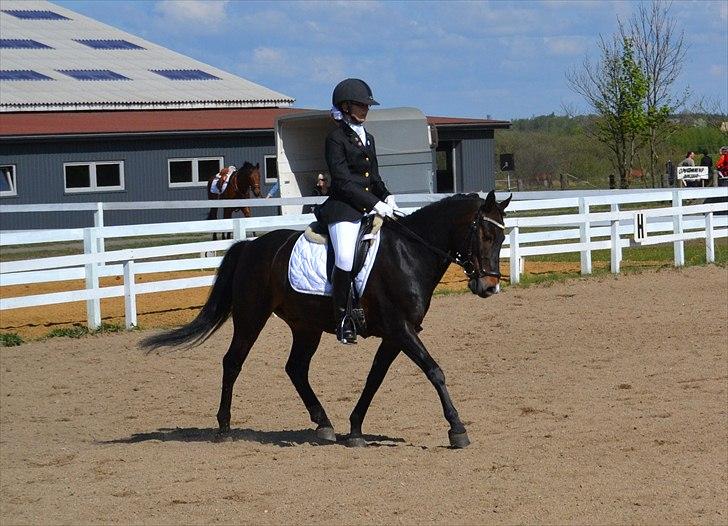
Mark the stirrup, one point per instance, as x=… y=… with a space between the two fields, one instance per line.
x=345 y=332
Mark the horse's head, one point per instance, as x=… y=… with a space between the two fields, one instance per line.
x=248 y=178
x=481 y=255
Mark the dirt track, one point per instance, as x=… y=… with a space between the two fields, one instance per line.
x=592 y=401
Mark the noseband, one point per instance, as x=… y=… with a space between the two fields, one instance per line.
x=466 y=262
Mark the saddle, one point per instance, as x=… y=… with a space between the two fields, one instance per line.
x=369 y=228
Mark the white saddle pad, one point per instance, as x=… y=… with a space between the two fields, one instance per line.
x=307 y=267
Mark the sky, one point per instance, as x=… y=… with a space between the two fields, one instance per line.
x=489 y=59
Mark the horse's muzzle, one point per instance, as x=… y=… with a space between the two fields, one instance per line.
x=485 y=286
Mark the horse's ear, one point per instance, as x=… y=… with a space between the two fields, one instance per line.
x=489 y=201
x=257 y=165
x=503 y=204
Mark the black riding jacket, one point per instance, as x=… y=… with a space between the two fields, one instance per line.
x=355 y=182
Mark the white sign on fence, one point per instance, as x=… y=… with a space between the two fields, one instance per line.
x=640 y=232
x=692 y=173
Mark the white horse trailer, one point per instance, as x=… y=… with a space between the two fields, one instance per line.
x=404 y=143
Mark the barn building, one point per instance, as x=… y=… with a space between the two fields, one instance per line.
x=89 y=113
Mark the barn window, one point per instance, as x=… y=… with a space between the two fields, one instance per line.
x=193 y=171
x=271 y=169
x=97 y=176
x=7 y=181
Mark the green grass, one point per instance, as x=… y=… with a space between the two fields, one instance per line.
x=10 y=339
x=78 y=331
x=694 y=254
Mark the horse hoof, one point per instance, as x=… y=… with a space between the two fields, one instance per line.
x=458 y=440
x=356 y=442
x=326 y=433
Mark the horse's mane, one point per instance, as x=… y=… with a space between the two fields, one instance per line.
x=425 y=215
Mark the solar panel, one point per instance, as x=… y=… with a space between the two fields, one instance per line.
x=92 y=74
x=107 y=44
x=21 y=43
x=22 y=74
x=35 y=14
x=184 y=74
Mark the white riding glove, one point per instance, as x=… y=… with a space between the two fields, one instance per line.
x=383 y=209
x=390 y=201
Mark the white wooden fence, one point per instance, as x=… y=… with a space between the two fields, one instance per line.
x=572 y=226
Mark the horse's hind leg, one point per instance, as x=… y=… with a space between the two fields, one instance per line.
x=244 y=336
x=304 y=347
x=386 y=354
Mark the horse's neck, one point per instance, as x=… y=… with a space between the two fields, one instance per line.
x=441 y=230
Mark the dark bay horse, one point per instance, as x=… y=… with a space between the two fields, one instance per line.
x=414 y=253
x=240 y=184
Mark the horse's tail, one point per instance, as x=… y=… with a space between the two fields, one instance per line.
x=213 y=314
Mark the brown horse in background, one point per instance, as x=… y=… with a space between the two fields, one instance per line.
x=240 y=184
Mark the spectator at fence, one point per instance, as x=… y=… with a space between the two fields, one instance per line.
x=722 y=164
x=275 y=189
x=320 y=190
x=221 y=179
x=707 y=160
x=689 y=159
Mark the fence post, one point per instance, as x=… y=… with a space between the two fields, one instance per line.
x=239 y=233
x=93 y=306
x=515 y=259
x=677 y=228
x=130 y=310
x=709 y=239
x=585 y=237
x=616 y=253
x=99 y=223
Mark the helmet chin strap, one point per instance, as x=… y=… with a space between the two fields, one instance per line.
x=346 y=110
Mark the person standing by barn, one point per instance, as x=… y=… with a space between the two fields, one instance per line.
x=356 y=189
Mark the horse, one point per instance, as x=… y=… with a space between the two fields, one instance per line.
x=414 y=253
x=241 y=183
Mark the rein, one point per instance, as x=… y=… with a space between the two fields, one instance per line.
x=464 y=262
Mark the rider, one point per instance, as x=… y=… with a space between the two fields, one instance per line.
x=356 y=190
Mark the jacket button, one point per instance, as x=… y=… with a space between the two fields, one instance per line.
x=367 y=189
x=366 y=174
x=366 y=158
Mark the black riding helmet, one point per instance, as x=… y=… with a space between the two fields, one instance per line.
x=354 y=90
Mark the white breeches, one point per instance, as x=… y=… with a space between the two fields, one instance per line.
x=343 y=237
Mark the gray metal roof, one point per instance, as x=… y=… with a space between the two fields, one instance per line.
x=144 y=90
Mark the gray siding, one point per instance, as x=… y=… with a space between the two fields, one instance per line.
x=40 y=176
x=476 y=165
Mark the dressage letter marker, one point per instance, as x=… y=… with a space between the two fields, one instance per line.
x=639 y=227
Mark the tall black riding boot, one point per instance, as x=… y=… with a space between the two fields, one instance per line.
x=345 y=330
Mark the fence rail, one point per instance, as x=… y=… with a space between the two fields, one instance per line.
x=565 y=223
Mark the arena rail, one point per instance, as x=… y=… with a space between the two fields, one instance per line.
x=563 y=231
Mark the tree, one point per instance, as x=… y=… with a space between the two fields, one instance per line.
x=659 y=50
x=615 y=87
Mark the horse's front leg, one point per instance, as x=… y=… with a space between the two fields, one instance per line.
x=386 y=354
x=413 y=347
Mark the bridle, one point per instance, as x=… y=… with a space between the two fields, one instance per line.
x=466 y=261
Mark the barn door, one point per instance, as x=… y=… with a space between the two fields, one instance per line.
x=445 y=159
